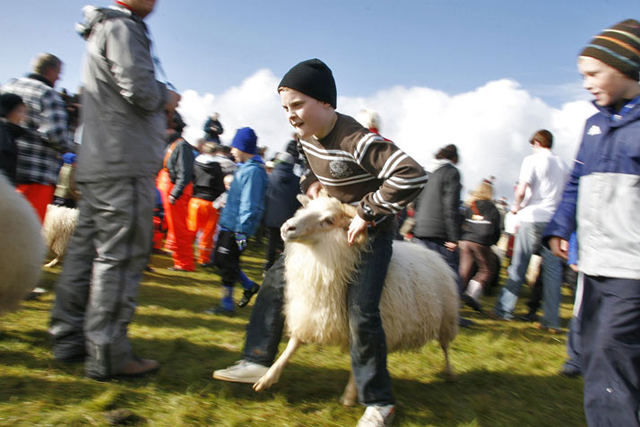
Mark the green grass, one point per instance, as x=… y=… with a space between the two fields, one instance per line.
x=507 y=372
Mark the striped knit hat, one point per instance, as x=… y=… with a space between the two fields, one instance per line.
x=618 y=47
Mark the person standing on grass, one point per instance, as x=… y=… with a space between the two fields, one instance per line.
x=480 y=231
x=437 y=209
x=124 y=112
x=208 y=185
x=175 y=184
x=601 y=202
x=354 y=165
x=543 y=176
x=240 y=218
x=47 y=133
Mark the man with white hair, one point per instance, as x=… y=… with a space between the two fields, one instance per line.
x=39 y=148
x=125 y=115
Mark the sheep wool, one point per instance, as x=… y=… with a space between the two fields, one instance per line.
x=57 y=229
x=22 y=249
x=419 y=300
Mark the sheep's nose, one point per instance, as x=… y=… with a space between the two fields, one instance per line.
x=285 y=229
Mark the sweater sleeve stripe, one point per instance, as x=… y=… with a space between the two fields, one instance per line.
x=405 y=187
x=327 y=154
x=392 y=207
x=399 y=180
x=344 y=182
x=363 y=145
x=388 y=168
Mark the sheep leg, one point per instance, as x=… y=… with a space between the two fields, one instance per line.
x=350 y=394
x=448 y=370
x=273 y=374
x=52 y=262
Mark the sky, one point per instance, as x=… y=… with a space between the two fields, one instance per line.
x=481 y=74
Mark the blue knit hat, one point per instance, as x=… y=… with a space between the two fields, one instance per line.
x=245 y=140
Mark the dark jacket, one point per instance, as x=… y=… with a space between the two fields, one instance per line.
x=180 y=165
x=281 y=202
x=9 y=149
x=207 y=178
x=212 y=130
x=481 y=223
x=438 y=205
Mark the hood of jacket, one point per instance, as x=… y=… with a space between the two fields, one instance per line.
x=207 y=161
x=255 y=160
x=631 y=116
x=94 y=15
x=436 y=164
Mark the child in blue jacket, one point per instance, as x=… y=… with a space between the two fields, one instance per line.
x=601 y=202
x=241 y=215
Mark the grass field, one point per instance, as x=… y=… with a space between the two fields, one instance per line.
x=507 y=372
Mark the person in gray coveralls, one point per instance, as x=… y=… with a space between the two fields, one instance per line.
x=124 y=114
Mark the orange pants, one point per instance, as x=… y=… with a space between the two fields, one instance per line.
x=39 y=195
x=203 y=217
x=159 y=232
x=179 y=239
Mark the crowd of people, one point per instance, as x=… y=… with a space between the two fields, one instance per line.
x=134 y=171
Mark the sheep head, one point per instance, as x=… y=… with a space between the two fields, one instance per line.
x=316 y=217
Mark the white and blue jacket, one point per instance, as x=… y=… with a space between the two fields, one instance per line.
x=602 y=198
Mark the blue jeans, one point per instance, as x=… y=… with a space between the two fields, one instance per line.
x=527 y=244
x=367 y=342
x=610 y=333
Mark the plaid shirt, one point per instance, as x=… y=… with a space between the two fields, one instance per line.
x=46 y=131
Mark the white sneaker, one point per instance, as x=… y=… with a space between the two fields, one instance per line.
x=377 y=416
x=242 y=372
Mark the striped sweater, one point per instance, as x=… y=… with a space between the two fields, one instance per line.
x=358 y=166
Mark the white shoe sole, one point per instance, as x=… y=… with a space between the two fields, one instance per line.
x=232 y=379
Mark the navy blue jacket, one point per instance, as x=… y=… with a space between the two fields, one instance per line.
x=602 y=198
x=281 y=202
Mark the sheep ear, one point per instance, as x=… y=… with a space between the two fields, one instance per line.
x=349 y=210
x=323 y=193
x=303 y=199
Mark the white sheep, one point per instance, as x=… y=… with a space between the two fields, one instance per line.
x=57 y=229
x=21 y=247
x=419 y=302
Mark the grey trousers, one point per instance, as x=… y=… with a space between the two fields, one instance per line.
x=97 y=291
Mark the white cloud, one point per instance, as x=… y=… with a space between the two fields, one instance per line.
x=491 y=125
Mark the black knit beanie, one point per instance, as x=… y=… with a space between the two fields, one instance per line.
x=618 y=47
x=312 y=77
x=8 y=102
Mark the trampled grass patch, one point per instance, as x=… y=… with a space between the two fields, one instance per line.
x=507 y=372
